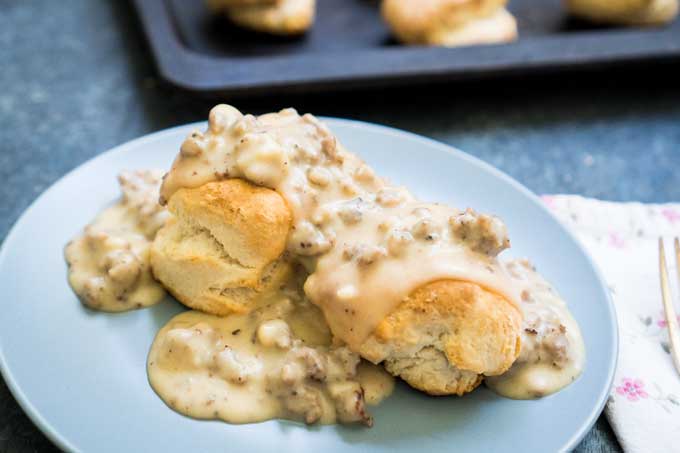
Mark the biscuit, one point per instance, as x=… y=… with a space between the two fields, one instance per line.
x=282 y=17
x=450 y=22
x=222 y=248
x=446 y=336
x=220 y=5
x=625 y=12
x=499 y=27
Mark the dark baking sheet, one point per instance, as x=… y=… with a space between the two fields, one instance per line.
x=350 y=46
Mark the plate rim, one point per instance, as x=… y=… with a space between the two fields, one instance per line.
x=61 y=442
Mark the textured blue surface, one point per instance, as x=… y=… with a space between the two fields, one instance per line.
x=77 y=79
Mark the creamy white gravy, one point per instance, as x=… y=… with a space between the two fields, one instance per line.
x=552 y=353
x=366 y=244
x=109 y=263
x=276 y=362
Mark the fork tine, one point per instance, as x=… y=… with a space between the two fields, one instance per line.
x=671 y=319
x=677 y=258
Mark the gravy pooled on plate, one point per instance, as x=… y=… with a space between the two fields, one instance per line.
x=552 y=354
x=109 y=263
x=275 y=362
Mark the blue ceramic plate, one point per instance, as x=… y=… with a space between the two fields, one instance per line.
x=80 y=375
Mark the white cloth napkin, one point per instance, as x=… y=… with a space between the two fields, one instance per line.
x=644 y=405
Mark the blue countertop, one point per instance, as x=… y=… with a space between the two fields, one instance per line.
x=77 y=79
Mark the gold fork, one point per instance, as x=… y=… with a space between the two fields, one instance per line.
x=671 y=318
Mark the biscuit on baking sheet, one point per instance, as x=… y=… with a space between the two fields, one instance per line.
x=278 y=17
x=220 y=5
x=625 y=12
x=450 y=22
x=501 y=26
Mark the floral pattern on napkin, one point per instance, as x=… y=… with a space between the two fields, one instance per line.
x=644 y=405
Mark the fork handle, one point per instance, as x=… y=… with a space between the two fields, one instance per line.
x=671 y=318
